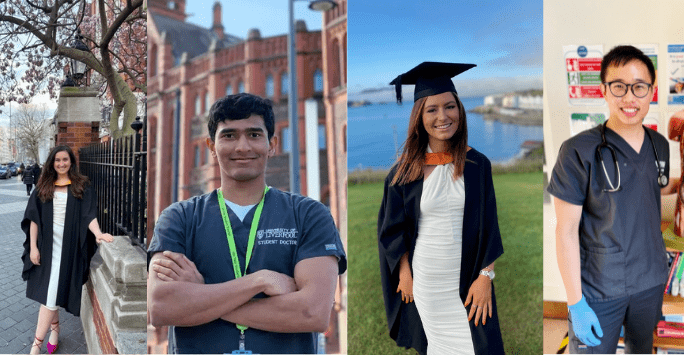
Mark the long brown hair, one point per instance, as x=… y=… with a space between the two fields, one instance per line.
x=412 y=159
x=46 y=182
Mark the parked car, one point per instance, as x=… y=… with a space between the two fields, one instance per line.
x=5 y=172
x=13 y=168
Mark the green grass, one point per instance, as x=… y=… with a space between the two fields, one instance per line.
x=518 y=272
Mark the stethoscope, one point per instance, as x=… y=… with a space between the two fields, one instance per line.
x=662 y=179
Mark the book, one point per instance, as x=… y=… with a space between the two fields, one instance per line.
x=671 y=240
x=670 y=329
x=672 y=271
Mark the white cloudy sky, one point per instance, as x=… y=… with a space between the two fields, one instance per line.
x=37 y=100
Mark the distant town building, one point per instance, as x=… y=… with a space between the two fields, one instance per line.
x=493 y=100
x=7 y=146
x=514 y=101
x=530 y=102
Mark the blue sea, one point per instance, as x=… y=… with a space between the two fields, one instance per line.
x=371 y=134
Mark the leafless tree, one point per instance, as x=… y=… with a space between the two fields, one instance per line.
x=33 y=128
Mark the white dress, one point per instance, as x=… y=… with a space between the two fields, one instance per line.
x=59 y=203
x=437 y=264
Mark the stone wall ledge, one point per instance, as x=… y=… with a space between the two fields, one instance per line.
x=118 y=276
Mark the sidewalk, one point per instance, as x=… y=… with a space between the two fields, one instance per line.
x=18 y=314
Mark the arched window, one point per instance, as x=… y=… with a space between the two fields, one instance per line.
x=318 y=81
x=198 y=104
x=269 y=86
x=206 y=102
x=284 y=84
x=229 y=89
x=207 y=154
x=241 y=87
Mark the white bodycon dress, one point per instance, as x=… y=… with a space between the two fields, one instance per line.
x=437 y=264
x=59 y=203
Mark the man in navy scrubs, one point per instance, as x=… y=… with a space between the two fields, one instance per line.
x=608 y=242
x=198 y=279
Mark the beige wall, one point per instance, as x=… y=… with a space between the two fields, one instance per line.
x=607 y=23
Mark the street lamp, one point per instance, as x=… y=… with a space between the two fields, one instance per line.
x=77 y=68
x=322 y=5
x=316 y=5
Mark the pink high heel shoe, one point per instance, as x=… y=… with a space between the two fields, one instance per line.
x=52 y=348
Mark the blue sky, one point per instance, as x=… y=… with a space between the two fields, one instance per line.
x=388 y=38
x=269 y=16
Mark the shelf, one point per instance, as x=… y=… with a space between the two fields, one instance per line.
x=670 y=343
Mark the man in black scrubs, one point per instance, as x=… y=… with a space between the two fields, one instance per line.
x=245 y=267
x=607 y=199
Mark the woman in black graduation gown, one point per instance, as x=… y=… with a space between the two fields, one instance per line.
x=438 y=224
x=61 y=231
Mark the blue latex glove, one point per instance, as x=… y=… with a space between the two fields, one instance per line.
x=583 y=319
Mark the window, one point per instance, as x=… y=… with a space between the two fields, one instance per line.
x=197 y=156
x=207 y=154
x=284 y=84
x=286 y=139
x=335 y=65
x=241 y=87
x=318 y=81
x=198 y=103
x=152 y=61
x=269 y=86
x=321 y=136
x=206 y=102
x=229 y=89
x=172 y=5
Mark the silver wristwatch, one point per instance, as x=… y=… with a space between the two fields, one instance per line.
x=489 y=273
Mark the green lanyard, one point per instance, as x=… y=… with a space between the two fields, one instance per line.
x=231 y=239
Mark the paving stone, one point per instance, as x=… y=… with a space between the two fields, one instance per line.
x=18 y=346
x=7 y=322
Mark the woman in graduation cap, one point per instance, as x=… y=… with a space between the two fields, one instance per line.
x=61 y=231
x=438 y=233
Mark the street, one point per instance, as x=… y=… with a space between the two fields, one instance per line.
x=18 y=314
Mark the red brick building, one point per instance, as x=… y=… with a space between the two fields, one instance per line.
x=190 y=67
x=203 y=65
x=335 y=98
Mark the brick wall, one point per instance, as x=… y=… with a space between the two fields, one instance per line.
x=77 y=134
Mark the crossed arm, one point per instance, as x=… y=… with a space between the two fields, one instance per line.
x=299 y=304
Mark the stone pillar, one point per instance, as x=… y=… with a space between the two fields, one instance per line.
x=114 y=302
x=78 y=118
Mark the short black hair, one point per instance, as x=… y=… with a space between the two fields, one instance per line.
x=622 y=55
x=239 y=107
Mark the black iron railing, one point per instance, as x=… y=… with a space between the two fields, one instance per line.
x=118 y=171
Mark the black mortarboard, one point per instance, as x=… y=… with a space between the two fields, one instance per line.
x=430 y=78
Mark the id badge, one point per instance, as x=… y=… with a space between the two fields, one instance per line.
x=241 y=345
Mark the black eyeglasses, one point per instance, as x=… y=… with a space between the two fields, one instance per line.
x=619 y=89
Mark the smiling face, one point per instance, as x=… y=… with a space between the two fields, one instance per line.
x=628 y=110
x=242 y=148
x=62 y=164
x=440 y=119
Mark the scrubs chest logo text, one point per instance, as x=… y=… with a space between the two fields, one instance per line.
x=280 y=236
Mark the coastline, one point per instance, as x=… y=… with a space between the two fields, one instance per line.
x=514 y=116
x=527 y=160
